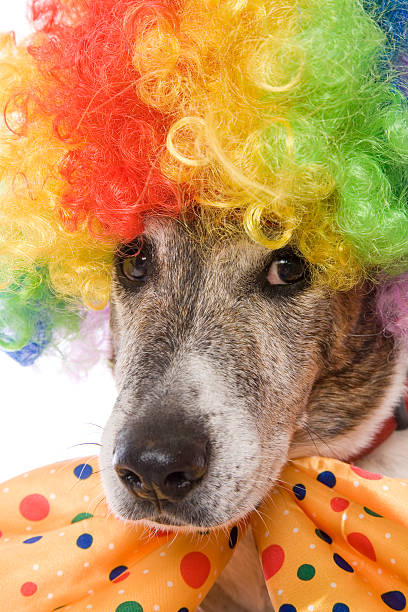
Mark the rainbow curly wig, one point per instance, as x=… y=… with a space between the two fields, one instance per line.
x=292 y=114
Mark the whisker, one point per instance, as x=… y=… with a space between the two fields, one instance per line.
x=99 y=471
x=85 y=444
x=286 y=486
x=312 y=439
x=94 y=425
x=258 y=512
x=332 y=452
x=102 y=498
x=173 y=540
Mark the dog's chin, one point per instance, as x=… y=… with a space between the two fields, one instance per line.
x=174 y=526
x=171 y=524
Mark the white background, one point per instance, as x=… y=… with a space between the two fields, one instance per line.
x=44 y=412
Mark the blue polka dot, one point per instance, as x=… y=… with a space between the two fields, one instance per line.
x=32 y=540
x=299 y=491
x=183 y=610
x=340 y=607
x=85 y=540
x=394 y=600
x=117 y=571
x=323 y=536
x=83 y=471
x=233 y=537
x=327 y=478
x=287 y=608
x=342 y=563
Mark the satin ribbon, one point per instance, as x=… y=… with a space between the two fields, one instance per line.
x=334 y=538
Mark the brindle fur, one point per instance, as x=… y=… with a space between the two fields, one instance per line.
x=266 y=376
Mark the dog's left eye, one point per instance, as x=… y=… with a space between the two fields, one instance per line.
x=286 y=270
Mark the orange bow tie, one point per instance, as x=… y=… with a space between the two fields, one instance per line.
x=335 y=539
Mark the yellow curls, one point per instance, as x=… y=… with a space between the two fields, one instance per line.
x=179 y=139
x=226 y=72
x=31 y=188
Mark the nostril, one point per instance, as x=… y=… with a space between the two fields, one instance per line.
x=179 y=482
x=130 y=479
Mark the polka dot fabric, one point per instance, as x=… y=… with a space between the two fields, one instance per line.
x=334 y=541
x=60 y=549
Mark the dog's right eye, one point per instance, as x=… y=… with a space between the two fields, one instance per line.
x=134 y=266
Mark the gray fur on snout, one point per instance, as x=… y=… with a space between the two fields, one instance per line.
x=233 y=438
x=201 y=341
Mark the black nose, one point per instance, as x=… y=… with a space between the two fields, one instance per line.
x=156 y=469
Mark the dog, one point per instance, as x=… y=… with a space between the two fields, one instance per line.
x=229 y=361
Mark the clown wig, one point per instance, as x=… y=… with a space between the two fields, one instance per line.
x=291 y=114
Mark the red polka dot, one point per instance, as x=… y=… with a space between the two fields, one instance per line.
x=1 y=533
x=195 y=568
x=365 y=474
x=338 y=504
x=35 y=507
x=28 y=589
x=272 y=560
x=361 y=543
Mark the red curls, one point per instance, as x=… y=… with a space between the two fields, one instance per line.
x=112 y=169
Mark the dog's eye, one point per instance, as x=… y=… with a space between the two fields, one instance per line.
x=134 y=268
x=286 y=270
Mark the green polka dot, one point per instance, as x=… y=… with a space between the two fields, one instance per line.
x=306 y=572
x=81 y=516
x=129 y=606
x=372 y=512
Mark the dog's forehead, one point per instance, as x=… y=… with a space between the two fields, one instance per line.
x=181 y=243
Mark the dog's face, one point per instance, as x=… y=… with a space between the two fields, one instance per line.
x=227 y=362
